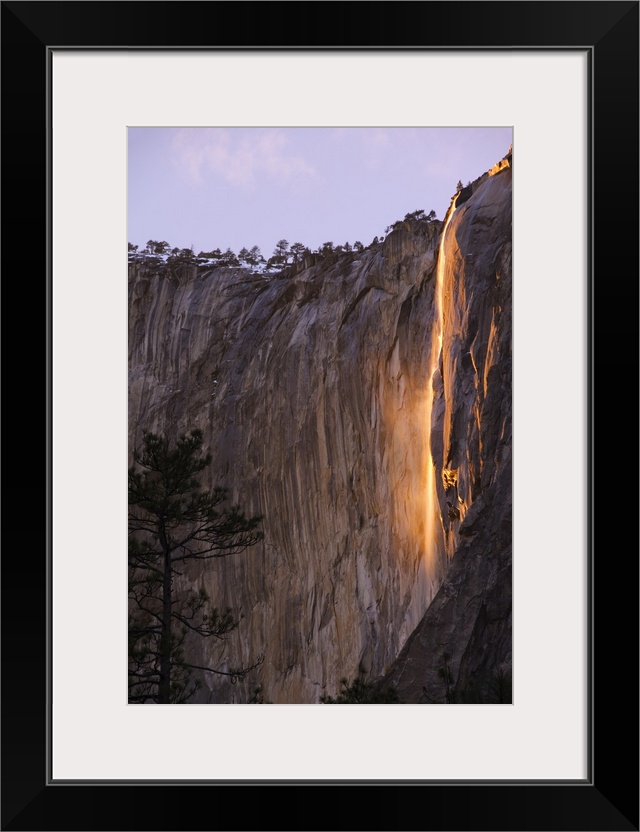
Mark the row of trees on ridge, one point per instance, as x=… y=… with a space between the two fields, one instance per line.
x=284 y=254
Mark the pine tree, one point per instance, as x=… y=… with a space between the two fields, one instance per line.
x=172 y=521
x=280 y=252
x=229 y=258
x=296 y=250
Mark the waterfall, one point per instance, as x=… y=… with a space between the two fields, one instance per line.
x=434 y=542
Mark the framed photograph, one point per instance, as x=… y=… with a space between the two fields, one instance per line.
x=563 y=77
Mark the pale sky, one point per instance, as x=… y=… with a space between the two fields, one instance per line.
x=234 y=187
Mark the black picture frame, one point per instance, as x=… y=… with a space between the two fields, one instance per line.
x=608 y=799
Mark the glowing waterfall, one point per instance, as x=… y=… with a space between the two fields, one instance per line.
x=433 y=524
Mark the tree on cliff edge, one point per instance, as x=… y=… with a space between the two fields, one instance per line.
x=173 y=521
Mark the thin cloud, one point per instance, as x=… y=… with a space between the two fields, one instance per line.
x=240 y=158
x=376 y=144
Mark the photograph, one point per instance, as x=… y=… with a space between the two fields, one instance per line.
x=319 y=398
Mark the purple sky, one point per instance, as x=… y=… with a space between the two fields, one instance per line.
x=233 y=187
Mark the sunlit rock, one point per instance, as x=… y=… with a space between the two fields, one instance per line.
x=470 y=618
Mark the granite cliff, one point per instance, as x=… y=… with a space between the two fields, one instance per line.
x=466 y=631
x=362 y=404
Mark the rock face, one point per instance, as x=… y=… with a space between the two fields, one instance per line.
x=466 y=632
x=315 y=393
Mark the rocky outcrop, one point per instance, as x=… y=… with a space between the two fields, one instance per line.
x=503 y=164
x=313 y=391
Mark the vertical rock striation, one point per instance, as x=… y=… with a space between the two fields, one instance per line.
x=313 y=392
x=467 y=629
